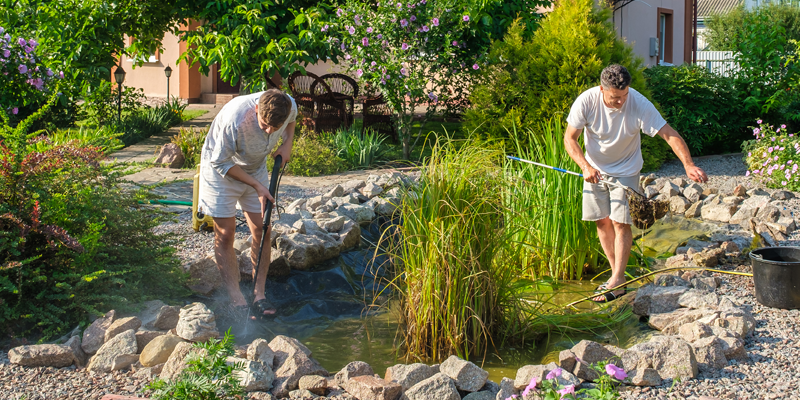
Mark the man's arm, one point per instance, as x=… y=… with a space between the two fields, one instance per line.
x=678 y=146
x=285 y=149
x=575 y=152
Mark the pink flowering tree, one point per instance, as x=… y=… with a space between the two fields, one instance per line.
x=420 y=55
x=23 y=78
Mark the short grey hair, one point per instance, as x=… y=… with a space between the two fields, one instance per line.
x=615 y=76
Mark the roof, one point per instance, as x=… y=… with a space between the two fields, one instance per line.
x=708 y=7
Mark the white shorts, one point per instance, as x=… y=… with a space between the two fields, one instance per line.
x=220 y=196
x=601 y=200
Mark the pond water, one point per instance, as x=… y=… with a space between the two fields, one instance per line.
x=330 y=310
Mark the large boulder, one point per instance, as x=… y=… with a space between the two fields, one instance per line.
x=171 y=156
x=159 y=349
x=177 y=361
x=204 y=276
x=709 y=354
x=296 y=366
x=167 y=318
x=303 y=251
x=468 y=377
x=359 y=213
x=42 y=355
x=74 y=343
x=439 y=387
x=671 y=356
x=507 y=389
x=94 y=336
x=645 y=377
x=144 y=337
x=106 y=357
x=197 y=323
x=284 y=347
x=651 y=299
x=260 y=351
x=408 y=375
x=698 y=299
x=254 y=376
x=718 y=212
x=314 y=383
x=121 y=325
x=372 y=388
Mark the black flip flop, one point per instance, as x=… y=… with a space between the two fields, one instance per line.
x=607 y=297
x=262 y=306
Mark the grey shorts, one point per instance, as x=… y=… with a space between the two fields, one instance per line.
x=220 y=196
x=601 y=200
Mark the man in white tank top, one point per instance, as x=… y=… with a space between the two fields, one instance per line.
x=611 y=117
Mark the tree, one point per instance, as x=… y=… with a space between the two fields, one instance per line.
x=726 y=31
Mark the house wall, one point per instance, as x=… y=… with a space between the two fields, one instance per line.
x=637 y=22
x=150 y=76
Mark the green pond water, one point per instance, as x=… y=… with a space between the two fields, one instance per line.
x=325 y=309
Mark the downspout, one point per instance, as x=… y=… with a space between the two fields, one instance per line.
x=694 y=34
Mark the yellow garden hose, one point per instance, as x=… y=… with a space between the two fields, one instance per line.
x=651 y=274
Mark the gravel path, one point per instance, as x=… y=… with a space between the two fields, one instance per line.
x=771 y=372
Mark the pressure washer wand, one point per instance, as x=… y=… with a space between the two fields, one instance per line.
x=617 y=184
x=277 y=171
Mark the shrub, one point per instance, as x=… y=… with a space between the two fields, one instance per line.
x=145 y=122
x=531 y=81
x=361 y=149
x=703 y=107
x=724 y=31
x=104 y=138
x=772 y=157
x=72 y=241
x=313 y=156
x=101 y=106
x=191 y=143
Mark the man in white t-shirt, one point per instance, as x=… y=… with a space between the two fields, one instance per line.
x=611 y=117
x=233 y=171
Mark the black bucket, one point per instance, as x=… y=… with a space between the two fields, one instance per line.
x=776 y=275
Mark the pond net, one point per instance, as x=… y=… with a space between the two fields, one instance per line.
x=645 y=212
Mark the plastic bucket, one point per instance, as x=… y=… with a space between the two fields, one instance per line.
x=776 y=275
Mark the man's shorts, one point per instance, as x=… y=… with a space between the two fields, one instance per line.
x=601 y=200
x=220 y=196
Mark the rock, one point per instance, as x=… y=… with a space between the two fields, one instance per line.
x=468 y=377
x=42 y=355
x=695 y=331
x=301 y=394
x=350 y=235
x=692 y=193
x=641 y=303
x=732 y=200
x=649 y=192
x=679 y=182
x=333 y=224
x=480 y=396
x=241 y=245
x=295 y=206
x=695 y=210
x=585 y=372
x=148 y=373
x=593 y=352
x=669 y=323
x=671 y=356
x=732 y=346
x=144 y=337
x=260 y=396
x=439 y=387
x=490 y=387
x=372 y=388
x=664 y=299
x=507 y=389
x=678 y=205
x=782 y=195
x=784 y=225
x=284 y=347
x=768 y=213
x=121 y=325
x=709 y=353
x=304 y=251
x=708 y=284
x=204 y=277
x=371 y=190
x=646 y=180
x=670 y=280
x=528 y=372
x=698 y=299
x=260 y=351
x=177 y=361
x=124 y=362
x=171 y=156
x=385 y=206
x=743 y=214
x=123 y=343
x=159 y=349
x=306 y=226
x=709 y=191
x=296 y=366
x=408 y=375
x=255 y=376
x=359 y=213
x=739 y=191
x=712 y=200
x=167 y=318
x=676 y=261
x=197 y=323
x=645 y=377
x=729 y=247
x=728 y=186
x=718 y=212
x=567 y=360
x=74 y=343
x=707 y=259
x=94 y=336
x=670 y=189
x=738 y=321
x=315 y=202
x=353 y=185
x=336 y=191
x=314 y=384
x=148 y=314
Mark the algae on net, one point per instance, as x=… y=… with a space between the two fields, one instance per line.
x=644 y=211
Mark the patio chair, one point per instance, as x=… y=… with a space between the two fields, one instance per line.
x=321 y=111
x=344 y=89
x=378 y=116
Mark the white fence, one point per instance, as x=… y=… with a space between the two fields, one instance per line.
x=718 y=62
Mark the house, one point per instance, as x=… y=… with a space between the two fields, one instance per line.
x=660 y=31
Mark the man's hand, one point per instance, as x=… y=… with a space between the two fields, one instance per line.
x=590 y=174
x=263 y=197
x=696 y=174
x=285 y=151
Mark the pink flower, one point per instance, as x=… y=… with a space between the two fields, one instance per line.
x=531 y=386
x=783 y=126
x=455 y=43
x=615 y=371
x=783 y=183
x=782 y=148
x=352 y=30
x=749 y=154
x=404 y=46
x=425 y=28
x=758 y=122
x=791 y=134
x=413 y=18
x=359 y=72
x=403 y=72
x=373 y=63
x=554 y=374
x=465 y=18
x=770 y=149
x=435 y=22
x=399 y=5
x=15 y=110
x=339 y=12
x=369 y=30
x=347 y=56
x=61 y=74
x=757 y=131
x=403 y=23
x=324 y=28
x=569 y=389
x=365 y=42
x=475 y=66
x=747 y=173
x=22 y=68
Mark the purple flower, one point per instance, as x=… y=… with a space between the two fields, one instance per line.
x=6 y=53
x=554 y=374
x=455 y=43
x=569 y=389
x=373 y=63
x=475 y=66
x=465 y=18
x=22 y=68
x=22 y=42
x=435 y=22
x=783 y=126
x=365 y=42
x=369 y=30
x=758 y=122
x=352 y=30
x=432 y=96
x=359 y=72
x=615 y=371
x=27 y=50
x=425 y=28
x=404 y=46
x=531 y=386
x=747 y=173
x=60 y=74
x=324 y=28
x=32 y=43
x=403 y=23
x=403 y=71
x=413 y=18
x=380 y=36
x=15 y=110
x=339 y=12
x=342 y=46
x=399 y=5
x=383 y=82
x=357 y=19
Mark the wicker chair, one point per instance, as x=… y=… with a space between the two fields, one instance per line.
x=344 y=89
x=320 y=111
x=378 y=116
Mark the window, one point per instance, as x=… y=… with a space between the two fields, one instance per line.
x=153 y=57
x=665 y=35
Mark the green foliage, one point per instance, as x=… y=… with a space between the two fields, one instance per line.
x=725 y=31
x=191 y=143
x=531 y=80
x=101 y=105
x=73 y=241
x=772 y=157
x=104 y=138
x=313 y=156
x=703 y=107
x=207 y=376
x=360 y=149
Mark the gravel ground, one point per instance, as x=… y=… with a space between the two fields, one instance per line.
x=771 y=372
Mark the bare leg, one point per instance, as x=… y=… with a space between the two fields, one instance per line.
x=616 y=240
x=224 y=229
x=254 y=222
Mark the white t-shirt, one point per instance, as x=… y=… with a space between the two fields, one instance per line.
x=235 y=138
x=611 y=136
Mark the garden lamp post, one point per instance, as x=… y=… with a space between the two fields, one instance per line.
x=168 y=73
x=119 y=76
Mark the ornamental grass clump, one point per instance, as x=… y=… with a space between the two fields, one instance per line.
x=772 y=157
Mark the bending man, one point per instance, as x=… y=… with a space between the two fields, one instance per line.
x=611 y=117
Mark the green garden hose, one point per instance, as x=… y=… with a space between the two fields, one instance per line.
x=167 y=202
x=651 y=274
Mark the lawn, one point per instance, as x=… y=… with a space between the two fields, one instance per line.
x=192 y=114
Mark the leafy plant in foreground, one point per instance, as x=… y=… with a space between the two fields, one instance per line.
x=773 y=155
x=552 y=389
x=190 y=141
x=208 y=375
x=362 y=149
